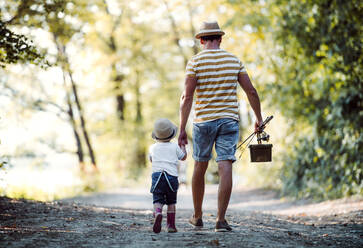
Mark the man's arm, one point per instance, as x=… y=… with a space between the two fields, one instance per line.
x=252 y=96
x=186 y=103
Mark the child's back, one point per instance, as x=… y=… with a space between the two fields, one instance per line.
x=165 y=157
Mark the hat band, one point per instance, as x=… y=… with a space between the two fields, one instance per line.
x=166 y=137
x=210 y=30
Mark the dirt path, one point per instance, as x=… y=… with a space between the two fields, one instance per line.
x=258 y=218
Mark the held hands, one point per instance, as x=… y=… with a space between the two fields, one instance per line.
x=183 y=138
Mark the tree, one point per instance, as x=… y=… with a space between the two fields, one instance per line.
x=320 y=70
x=110 y=42
x=312 y=60
x=48 y=15
x=15 y=48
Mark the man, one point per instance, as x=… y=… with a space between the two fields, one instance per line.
x=213 y=74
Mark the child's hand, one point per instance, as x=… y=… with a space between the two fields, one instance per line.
x=183 y=148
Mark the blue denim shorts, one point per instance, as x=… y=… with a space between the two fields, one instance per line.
x=223 y=133
x=164 y=189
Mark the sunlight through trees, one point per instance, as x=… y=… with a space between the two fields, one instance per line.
x=85 y=80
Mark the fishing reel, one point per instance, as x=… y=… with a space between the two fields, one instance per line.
x=259 y=152
x=263 y=137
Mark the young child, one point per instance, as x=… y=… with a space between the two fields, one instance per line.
x=165 y=157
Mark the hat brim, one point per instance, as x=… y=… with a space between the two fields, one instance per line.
x=203 y=33
x=175 y=130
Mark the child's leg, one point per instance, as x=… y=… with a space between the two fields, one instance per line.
x=171 y=208
x=170 y=218
x=158 y=200
x=158 y=208
x=171 y=198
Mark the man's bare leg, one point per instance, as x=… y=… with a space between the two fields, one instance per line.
x=198 y=187
x=225 y=187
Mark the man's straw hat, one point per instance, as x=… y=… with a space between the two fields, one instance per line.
x=209 y=28
x=164 y=130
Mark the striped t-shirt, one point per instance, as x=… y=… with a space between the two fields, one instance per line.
x=216 y=93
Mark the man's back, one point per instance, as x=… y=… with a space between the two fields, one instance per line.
x=216 y=72
x=214 y=75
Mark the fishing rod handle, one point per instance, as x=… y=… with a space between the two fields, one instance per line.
x=268 y=119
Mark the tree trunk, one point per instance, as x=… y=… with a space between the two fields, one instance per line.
x=120 y=106
x=116 y=76
x=140 y=142
x=83 y=121
x=192 y=29
x=74 y=126
x=176 y=34
x=66 y=67
x=61 y=57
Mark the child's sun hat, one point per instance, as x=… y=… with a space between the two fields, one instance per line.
x=164 y=130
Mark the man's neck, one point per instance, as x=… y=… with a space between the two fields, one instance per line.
x=211 y=45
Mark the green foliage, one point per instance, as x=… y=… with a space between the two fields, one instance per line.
x=2 y=163
x=15 y=48
x=320 y=72
x=48 y=15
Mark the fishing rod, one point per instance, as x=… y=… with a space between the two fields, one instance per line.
x=261 y=136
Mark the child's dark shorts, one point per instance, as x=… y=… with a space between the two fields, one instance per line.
x=164 y=188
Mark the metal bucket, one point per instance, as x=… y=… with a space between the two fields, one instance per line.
x=261 y=152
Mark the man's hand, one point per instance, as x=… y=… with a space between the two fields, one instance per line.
x=183 y=138
x=258 y=124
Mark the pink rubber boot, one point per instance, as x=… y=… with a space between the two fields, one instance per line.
x=157 y=220
x=170 y=222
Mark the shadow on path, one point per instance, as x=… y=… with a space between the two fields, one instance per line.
x=26 y=223
x=262 y=200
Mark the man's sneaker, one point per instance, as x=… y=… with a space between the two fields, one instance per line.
x=222 y=226
x=197 y=222
x=157 y=223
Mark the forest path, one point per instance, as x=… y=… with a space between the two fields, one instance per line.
x=242 y=199
x=258 y=218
